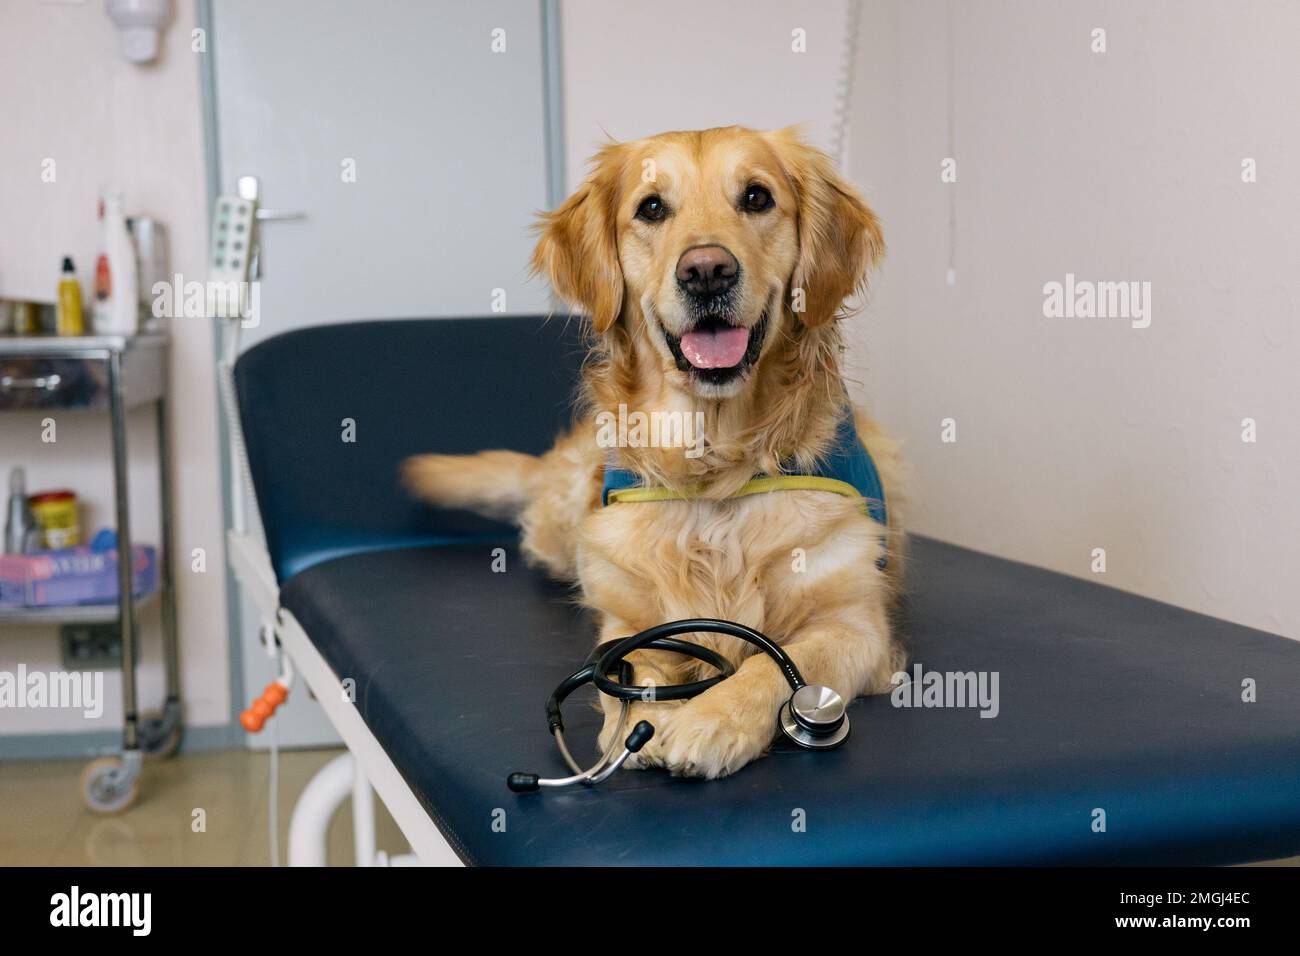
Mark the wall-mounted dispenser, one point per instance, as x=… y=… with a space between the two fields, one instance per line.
x=141 y=23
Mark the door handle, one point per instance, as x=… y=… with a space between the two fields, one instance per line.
x=250 y=188
x=279 y=215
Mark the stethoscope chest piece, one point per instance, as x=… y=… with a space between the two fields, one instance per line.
x=814 y=717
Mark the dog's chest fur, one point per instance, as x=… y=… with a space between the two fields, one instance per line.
x=771 y=561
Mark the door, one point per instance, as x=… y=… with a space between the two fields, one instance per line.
x=411 y=136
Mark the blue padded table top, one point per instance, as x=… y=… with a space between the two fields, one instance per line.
x=1107 y=700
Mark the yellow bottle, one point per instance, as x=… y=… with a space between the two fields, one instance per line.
x=70 y=320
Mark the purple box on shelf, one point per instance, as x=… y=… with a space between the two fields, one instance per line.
x=72 y=576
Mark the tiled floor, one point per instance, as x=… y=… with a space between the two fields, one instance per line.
x=44 y=823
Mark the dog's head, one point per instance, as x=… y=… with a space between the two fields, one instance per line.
x=717 y=239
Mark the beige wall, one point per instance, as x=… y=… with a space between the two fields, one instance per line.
x=68 y=95
x=635 y=69
x=1075 y=434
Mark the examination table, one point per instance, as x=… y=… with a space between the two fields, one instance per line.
x=1125 y=731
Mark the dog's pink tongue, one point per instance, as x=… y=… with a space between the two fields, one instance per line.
x=716 y=348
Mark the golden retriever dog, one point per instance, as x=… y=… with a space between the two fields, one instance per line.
x=714 y=266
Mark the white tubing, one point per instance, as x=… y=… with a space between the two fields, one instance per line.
x=285 y=679
x=314 y=809
x=363 y=818
x=273 y=814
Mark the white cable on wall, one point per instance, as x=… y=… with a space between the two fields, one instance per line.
x=951 y=110
x=274 y=804
x=844 y=86
x=241 y=479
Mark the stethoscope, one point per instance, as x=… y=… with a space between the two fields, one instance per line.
x=814 y=717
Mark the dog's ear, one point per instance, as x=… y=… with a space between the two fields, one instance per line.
x=578 y=251
x=839 y=237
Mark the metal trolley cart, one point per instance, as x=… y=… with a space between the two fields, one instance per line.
x=112 y=374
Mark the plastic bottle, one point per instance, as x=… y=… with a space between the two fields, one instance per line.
x=26 y=319
x=70 y=318
x=117 y=301
x=21 y=532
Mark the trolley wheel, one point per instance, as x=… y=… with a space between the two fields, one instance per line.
x=157 y=740
x=106 y=786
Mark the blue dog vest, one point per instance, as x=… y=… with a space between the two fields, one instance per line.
x=846 y=469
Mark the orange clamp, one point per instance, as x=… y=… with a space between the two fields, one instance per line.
x=261 y=710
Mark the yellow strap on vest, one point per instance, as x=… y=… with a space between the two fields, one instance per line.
x=755 y=486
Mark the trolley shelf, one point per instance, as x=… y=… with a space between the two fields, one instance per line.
x=113 y=374
x=71 y=614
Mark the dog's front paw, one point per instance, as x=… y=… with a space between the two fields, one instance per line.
x=709 y=741
x=651 y=753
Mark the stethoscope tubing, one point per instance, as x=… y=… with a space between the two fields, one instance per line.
x=595 y=769
x=610 y=658
x=662 y=636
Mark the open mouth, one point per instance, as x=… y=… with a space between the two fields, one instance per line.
x=715 y=351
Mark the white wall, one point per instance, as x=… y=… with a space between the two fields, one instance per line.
x=68 y=95
x=1075 y=434
x=635 y=69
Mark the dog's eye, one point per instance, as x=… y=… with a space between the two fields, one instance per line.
x=652 y=209
x=757 y=199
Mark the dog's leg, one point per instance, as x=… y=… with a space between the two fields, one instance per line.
x=650 y=669
x=735 y=722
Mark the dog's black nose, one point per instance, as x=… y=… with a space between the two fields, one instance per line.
x=707 y=270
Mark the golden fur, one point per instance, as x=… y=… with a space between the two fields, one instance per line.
x=641 y=563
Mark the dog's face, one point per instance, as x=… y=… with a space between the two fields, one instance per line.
x=708 y=243
x=717 y=239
